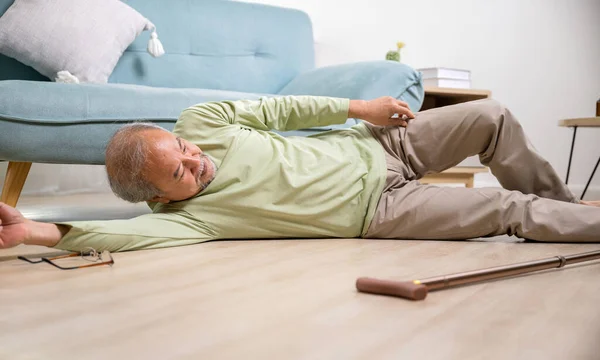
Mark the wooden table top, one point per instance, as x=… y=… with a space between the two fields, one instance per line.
x=581 y=122
x=457 y=92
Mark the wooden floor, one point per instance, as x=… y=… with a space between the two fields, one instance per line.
x=295 y=299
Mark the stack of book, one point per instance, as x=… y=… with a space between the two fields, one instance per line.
x=446 y=77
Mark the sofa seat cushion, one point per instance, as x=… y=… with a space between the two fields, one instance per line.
x=71 y=124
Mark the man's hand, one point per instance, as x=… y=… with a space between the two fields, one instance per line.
x=13 y=227
x=381 y=111
x=16 y=230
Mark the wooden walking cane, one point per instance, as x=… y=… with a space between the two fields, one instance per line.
x=417 y=289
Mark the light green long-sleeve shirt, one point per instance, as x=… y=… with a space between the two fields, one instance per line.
x=266 y=185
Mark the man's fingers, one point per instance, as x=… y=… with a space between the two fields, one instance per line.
x=9 y=215
x=2 y=210
x=401 y=110
x=396 y=120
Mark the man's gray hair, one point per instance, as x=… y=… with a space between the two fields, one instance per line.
x=125 y=163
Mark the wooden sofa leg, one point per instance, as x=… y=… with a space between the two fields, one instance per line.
x=16 y=174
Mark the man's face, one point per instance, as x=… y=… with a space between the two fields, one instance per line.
x=176 y=166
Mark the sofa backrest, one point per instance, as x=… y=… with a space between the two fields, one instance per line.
x=211 y=44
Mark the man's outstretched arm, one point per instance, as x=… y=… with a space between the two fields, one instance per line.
x=292 y=113
x=148 y=231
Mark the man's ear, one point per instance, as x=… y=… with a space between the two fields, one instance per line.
x=160 y=199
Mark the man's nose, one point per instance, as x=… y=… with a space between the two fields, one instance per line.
x=191 y=161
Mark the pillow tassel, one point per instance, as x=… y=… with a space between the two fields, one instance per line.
x=155 y=47
x=66 y=77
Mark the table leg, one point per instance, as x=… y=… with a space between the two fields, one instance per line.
x=571 y=154
x=591 y=177
x=470 y=181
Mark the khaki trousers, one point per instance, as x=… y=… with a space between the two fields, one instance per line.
x=534 y=204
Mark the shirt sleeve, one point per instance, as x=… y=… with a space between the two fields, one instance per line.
x=269 y=113
x=150 y=231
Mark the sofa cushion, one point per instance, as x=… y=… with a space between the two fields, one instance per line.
x=71 y=124
x=362 y=80
x=85 y=38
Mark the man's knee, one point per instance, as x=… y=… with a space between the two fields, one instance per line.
x=493 y=113
x=490 y=108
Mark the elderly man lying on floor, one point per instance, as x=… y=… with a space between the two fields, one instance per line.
x=222 y=174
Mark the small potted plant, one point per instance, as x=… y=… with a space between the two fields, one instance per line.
x=394 y=55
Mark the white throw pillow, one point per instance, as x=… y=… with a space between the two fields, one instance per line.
x=82 y=39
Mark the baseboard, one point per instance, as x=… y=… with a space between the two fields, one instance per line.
x=592 y=193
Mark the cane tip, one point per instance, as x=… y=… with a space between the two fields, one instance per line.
x=405 y=289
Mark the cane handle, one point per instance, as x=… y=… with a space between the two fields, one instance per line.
x=412 y=290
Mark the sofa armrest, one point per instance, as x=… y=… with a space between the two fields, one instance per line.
x=362 y=80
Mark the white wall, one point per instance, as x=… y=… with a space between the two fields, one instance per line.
x=539 y=57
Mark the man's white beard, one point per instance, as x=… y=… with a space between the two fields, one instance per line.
x=202 y=185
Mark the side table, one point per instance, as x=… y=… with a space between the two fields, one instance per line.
x=575 y=123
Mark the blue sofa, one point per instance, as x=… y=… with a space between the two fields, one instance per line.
x=215 y=50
